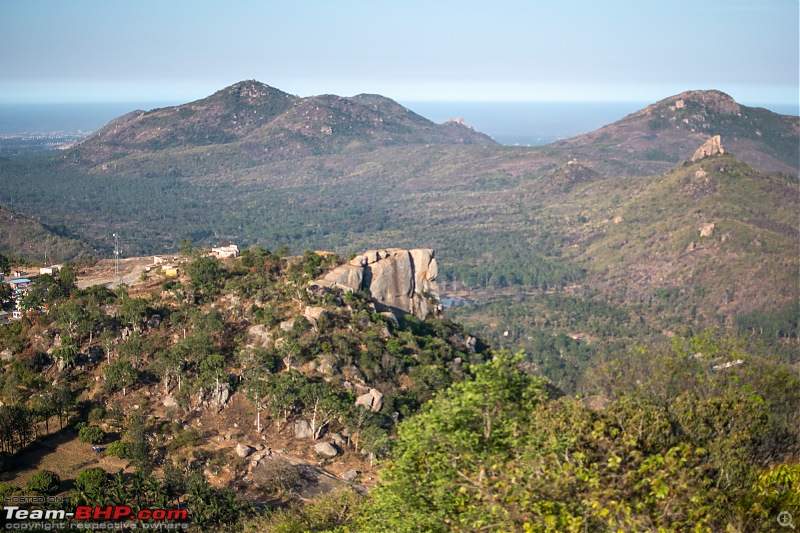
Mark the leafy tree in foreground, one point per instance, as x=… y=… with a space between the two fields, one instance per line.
x=90 y=486
x=497 y=454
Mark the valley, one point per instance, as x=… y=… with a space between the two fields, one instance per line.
x=615 y=299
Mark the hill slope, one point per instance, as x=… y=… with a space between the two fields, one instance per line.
x=24 y=237
x=267 y=124
x=660 y=135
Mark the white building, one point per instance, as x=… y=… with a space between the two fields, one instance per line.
x=225 y=251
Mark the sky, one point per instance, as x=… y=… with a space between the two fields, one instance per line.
x=59 y=51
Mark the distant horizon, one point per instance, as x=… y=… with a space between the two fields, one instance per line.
x=506 y=51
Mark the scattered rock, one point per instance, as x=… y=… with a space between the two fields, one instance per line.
x=471 y=343
x=291 y=361
x=350 y=475
x=352 y=373
x=287 y=325
x=302 y=429
x=326 y=449
x=337 y=439
x=313 y=314
x=327 y=367
x=259 y=336
x=243 y=450
x=170 y=401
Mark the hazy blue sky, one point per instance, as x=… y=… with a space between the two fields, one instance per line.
x=614 y=50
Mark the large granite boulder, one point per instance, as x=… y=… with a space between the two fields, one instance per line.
x=402 y=281
x=711 y=147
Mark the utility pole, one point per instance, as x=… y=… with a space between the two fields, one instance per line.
x=117 y=251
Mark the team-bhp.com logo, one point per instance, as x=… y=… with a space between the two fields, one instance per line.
x=95 y=517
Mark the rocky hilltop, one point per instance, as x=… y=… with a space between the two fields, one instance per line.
x=655 y=138
x=399 y=280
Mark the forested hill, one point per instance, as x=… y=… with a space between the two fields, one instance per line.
x=237 y=392
x=260 y=123
x=21 y=236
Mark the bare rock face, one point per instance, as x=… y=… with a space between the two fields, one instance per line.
x=399 y=280
x=711 y=147
x=347 y=277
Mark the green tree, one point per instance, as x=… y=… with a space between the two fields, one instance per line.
x=44 y=482
x=323 y=403
x=67 y=278
x=90 y=487
x=132 y=312
x=207 y=276
x=140 y=451
x=91 y=435
x=45 y=290
x=67 y=352
x=71 y=316
x=186 y=247
x=5 y=292
x=119 y=449
x=120 y=375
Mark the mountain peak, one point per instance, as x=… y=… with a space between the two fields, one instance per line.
x=653 y=139
x=249 y=90
x=709 y=100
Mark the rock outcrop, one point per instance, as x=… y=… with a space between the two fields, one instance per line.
x=399 y=280
x=371 y=400
x=713 y=146
x=707 y=230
